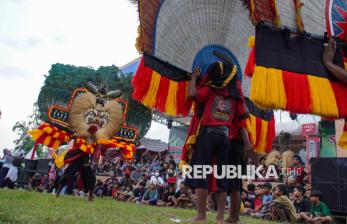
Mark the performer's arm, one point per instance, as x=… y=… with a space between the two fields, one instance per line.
x=192 y=93
x=247 y=145
x=328 y=57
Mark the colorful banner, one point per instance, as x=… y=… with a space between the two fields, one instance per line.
x=328 y=138
x=177 y=139
x=308 y=129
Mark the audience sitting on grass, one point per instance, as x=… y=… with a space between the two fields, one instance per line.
x=152 y=180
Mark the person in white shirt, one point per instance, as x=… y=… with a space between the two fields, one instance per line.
x=6 y=164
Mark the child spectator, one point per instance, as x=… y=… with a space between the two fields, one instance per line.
x=282 y=209
x=258 y=200
x=151 y=195
x=320 y=212
x=250 y=196
x=266 y=201
x=300 y=203
x=267 y=196
x=115 y=190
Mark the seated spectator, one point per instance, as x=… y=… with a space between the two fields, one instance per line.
x=136 y=175
x=138 y=192
x=319 y=212
x=182 y=197
x=151 y=195
x=126 y=181
x=243 y=209
x=258 y=200
x=172 y=161
x=282 y=209
x=250 y=196
x=171 y=171
x=266 y=201
x=44 y=184
x=296 y=172
x=267 y=196
x=100 y=189
x=167 y=193
x=125 y=194
x=300 y=203
x=35 y=181
x=115 y=189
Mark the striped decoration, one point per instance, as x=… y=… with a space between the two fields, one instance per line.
x=261 y=134
x=53 y=137
x=260 y=127
x=155 y=90
x=49 y=136
x=127 y=149
x=81 y=143
x=276 y=88
x=299 y=23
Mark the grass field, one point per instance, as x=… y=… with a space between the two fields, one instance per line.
x=35 y=208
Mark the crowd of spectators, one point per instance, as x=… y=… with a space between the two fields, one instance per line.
x=154 y=179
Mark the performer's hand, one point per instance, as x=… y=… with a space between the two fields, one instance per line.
x=196 y=73
x=329 y=52
x=249 y=152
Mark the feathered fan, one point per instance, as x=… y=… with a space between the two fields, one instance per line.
x=285 y=68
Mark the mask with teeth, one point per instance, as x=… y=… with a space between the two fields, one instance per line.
x=91 y=116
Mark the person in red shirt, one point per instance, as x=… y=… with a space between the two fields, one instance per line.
x=296 y=172
x=240 y=149
x=214 y=97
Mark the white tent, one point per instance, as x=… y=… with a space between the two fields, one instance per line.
x=28 y=155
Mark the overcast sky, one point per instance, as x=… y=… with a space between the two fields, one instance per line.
x=34 y=34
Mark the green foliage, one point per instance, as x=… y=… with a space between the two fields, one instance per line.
x=63 y=79
x=21 y=128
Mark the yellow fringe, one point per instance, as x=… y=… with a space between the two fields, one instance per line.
x=345 y=64
x=59 y=159
x=343 y=141
x=299 y=22
x=171 y=101
x=150 y=97
x=263 y=138
x=251 y=42
x=252 y=128
x=35 y=134
x=277 y=20
x=323 y=97
x=252 y=11
x=56 y=144
x=181 y=164
x=267 y=88
x=139 y=40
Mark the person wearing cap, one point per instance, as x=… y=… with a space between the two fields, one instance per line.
x=215 y=96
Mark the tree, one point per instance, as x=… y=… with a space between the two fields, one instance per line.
x=21 y=128
x=63 y=79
